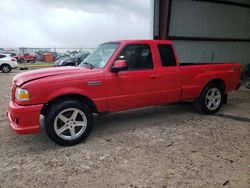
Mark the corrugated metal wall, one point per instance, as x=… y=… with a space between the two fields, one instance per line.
x=206 y=19
x=210 y=51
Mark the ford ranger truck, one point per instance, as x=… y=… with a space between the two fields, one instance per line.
x=26 y=57
x=117 y=76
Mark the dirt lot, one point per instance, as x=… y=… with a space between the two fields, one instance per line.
x=166 y=146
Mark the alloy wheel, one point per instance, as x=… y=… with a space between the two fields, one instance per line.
x=5 y=68
x=70 y=124
x=213 y=99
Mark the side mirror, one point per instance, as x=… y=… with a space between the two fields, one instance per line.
x=119 y=65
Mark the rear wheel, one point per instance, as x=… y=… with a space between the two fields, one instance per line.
x=68 y=122
x=210 y=100
x=32 y=61
x=6 y=68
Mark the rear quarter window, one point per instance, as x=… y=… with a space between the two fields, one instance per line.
x=167 y=55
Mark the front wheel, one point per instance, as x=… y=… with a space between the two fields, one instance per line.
x=68 y=122
x=6 y=68
x=210 y=100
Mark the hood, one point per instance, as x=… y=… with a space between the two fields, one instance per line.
x=25 y=77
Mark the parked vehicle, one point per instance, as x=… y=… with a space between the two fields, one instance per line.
x=12 y=54
x=71 y=61
x=26 y=57
x=7 y=63
x=40 y=55
x=116 y=76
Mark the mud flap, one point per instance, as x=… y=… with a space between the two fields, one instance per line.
x=225 y=98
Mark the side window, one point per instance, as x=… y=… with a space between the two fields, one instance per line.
x=138 y=57
x=2 y=56
x=167 y=55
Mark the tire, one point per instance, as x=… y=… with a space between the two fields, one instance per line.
x=210 y=100
x=60 y=122
x=32 y=61
x=6 y=68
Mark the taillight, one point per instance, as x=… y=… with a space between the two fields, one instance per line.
x=13 y=59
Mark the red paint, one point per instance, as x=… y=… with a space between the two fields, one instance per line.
x=115 y=91
x=24 y=119
x=26 y=57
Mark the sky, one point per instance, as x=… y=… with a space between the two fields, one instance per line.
x=72 y=23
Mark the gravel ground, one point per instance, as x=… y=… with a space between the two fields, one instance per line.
x=165 y=146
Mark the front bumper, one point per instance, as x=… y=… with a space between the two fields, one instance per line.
x=24 y=119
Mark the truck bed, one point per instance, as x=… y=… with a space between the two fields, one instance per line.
x=190 y=63
x=195 y=75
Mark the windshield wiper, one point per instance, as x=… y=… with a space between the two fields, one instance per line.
x=89 y=64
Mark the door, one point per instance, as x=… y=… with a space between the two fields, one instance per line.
x=137 y=86
x=170 y=74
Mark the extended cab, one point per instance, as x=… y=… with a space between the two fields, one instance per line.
x=116 y=76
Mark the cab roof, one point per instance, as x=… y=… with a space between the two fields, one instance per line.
x=143 y=41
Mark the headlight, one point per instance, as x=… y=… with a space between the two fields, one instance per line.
x=22 y=94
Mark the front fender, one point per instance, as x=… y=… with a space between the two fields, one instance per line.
x=67 y=91
x=42 y=92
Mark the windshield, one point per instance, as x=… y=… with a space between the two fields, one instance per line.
x=100 y=56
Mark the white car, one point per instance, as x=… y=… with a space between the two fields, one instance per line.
x=7 y=63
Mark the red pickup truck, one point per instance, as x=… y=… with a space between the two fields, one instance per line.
x=26 y=57
x=117 y=76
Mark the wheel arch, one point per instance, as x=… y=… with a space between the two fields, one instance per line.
x=219 y=81
x=81 y=98
x=5 y=64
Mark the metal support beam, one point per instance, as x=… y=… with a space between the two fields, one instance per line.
x=164 y=20
x=162 y=13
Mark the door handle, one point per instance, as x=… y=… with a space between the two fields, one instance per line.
x=152 y=76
